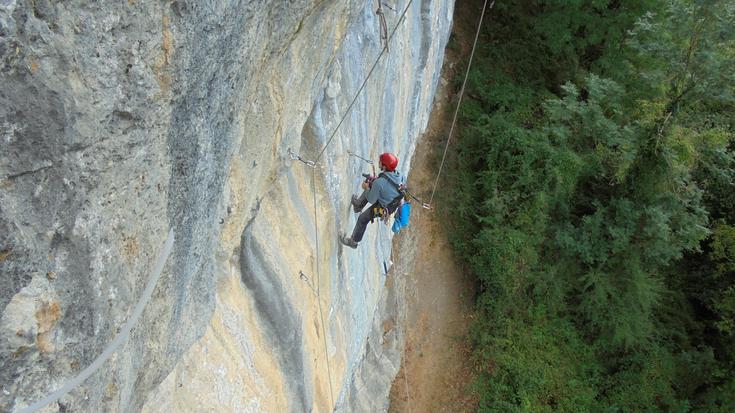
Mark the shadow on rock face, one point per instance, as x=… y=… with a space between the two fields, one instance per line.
x=280 y=322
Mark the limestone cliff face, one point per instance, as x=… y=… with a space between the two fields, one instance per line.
x=122 y=120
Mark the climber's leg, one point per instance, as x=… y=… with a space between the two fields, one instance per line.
x=362 y=221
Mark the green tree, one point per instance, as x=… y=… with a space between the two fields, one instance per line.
x=594 y=202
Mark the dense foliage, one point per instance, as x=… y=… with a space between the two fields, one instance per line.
x=595 y=203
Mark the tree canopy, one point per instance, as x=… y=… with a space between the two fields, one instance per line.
x=594 y=201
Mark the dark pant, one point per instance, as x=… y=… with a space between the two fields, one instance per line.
x=364 y=219
x=366 y=216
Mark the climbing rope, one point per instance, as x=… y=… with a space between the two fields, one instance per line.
x=155 y=275
x=403 y=359
x=115 y=343
x=319 y=284
x=420 y=236
x=364 y=82
x=313 y=165
x=459 y=101
x=334 y=133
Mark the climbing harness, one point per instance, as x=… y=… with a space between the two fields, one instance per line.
x=296 y=157
x=402 y=189
x=424 y=205
x=381 y=213
x=313 y=165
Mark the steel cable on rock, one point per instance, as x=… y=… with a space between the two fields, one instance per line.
x=319 y=284
x=118 y=340
x=315 y=161
x=334 y=133
x=364 y=82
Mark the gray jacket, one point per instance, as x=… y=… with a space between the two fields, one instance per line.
x=383 y=191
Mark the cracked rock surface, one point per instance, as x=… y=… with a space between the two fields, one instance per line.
x=122 y=120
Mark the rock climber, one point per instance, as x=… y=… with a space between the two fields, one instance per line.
x=382 y=192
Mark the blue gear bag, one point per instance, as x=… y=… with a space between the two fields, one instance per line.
x=402 y=217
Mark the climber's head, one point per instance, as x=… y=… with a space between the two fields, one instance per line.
x=388 y=162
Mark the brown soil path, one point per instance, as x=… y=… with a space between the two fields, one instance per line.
x=436 y=371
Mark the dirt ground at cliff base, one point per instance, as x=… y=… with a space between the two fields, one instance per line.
x=436 y=373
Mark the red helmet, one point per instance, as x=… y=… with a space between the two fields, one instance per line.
x=389 y=161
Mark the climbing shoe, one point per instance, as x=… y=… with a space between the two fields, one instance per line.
x=345 y=240
x=355 y=205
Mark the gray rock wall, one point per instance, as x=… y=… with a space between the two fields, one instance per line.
x=120 y=120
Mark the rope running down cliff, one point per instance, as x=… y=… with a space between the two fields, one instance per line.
x=454 y=120
x=364 y=82
x=334 y=133
x=313 y=180
x=459 y=100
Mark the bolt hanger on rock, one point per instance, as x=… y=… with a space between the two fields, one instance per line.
x=296 y=157
x=372 y=164
x=350 y=153
x=307 y=281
